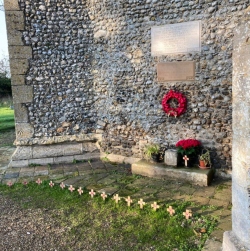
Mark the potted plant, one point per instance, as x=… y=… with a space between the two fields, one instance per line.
x=152 y=152
x=204 y=159
x=189 y=148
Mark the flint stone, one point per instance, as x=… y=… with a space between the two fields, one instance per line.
x=100 y=33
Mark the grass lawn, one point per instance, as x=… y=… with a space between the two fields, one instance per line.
x=105 y=225
x=6 y=119
x=7 y=126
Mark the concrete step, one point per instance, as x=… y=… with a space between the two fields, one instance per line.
x=197 y=176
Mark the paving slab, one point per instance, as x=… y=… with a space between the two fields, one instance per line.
x=41 y=170
x=107 y=180
x=97 y=165
x=157 y=170
x=11 y=175
x=6 y=181
x=73 y=180
x=25 y=179
x=68 y=170
x=85 y=172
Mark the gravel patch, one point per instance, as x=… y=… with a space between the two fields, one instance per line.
x=29 y=229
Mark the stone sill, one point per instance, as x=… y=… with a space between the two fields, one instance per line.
x=91 y=137
x=158 y=170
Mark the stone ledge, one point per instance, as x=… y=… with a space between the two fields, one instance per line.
x=158 y=170
x=52 y=160
x=80 y=138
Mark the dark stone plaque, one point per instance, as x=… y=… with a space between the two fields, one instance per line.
x=176 y=71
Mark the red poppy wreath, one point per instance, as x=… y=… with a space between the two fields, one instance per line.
x=172 y=111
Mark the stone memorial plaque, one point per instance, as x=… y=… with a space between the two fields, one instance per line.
x=176 y=71
x=176 y=38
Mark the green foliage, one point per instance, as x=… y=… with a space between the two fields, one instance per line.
x=106 y=225
x=149 y=150
x=34 y=164
x=188 y=151
x=5 y=85
x=6 y=119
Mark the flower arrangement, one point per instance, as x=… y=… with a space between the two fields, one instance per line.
x=171 y=111
x=188 y=146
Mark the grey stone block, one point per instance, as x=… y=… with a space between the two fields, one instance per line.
x=21 y=113
x=63 y=159
x=24 y=131
x=158 y=170
x=20 y=52
x=18 y=163
x=86 y=156
x=240 y=220
x=89 y=147
x=72 y=149
x=41 y=170
x=44 y=151
x=17 y=79
x=11 y=5
x=22 y=94
x=15 y=38
x=170 y=157
x=14 y=20
x=42 y=161
x=22 y=153
x=19 y=66
x=26 y=174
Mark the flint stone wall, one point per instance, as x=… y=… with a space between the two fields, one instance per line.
x=91 y=73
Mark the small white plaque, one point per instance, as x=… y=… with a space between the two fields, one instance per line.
x=176 y=38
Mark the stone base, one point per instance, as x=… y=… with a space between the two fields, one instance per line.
x=157 y=170
x=231 y=243
x=118 y=158
x=53 y=154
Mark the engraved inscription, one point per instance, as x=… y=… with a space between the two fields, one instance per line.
x=176 y=38
x=176 y=71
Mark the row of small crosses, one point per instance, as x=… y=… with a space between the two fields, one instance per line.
x=116 y=197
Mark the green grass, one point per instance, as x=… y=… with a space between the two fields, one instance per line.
x=6 y=119
x=105 y=225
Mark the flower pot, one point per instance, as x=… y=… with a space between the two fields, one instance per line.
x=202 y=164
x=155 y=157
